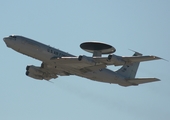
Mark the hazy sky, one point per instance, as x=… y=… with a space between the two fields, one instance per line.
x=141 y=25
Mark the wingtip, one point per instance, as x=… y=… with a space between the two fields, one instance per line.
x=165 y=59
x=156 y=79
x=160 y=58
x=155 y=57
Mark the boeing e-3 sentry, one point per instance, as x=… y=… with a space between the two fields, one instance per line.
x=59 y=63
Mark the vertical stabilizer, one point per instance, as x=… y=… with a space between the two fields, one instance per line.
x=129 y=70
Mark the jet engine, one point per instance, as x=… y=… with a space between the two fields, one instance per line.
x=115 y=59
x=38 y=73
x=86 y=59
x=35 y=76
x=34 y=69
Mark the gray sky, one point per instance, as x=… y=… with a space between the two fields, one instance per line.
x=139 y=25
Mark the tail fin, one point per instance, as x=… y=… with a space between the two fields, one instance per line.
x=129 y=70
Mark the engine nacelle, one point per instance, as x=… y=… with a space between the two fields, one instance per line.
x=116 y=59
x=88 y=60
x=34 y=70
x=38 y=73
x=34 y=75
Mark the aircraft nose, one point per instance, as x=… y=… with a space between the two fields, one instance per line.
x=6 y=40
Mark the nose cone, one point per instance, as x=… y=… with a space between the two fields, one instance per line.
x=6 y=40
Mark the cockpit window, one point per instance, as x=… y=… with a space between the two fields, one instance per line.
x=12 y=36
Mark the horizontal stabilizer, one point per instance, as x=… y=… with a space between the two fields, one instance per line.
x=137 y=81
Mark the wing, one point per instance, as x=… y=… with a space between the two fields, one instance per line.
x=118 y=60
x=84 y=64
x=84 y=61
x=140 y=58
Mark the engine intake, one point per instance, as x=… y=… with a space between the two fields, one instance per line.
x=34 y=69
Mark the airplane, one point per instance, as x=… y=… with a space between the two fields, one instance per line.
x=59 y=63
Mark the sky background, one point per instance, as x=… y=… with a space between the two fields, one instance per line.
x=141 y=25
